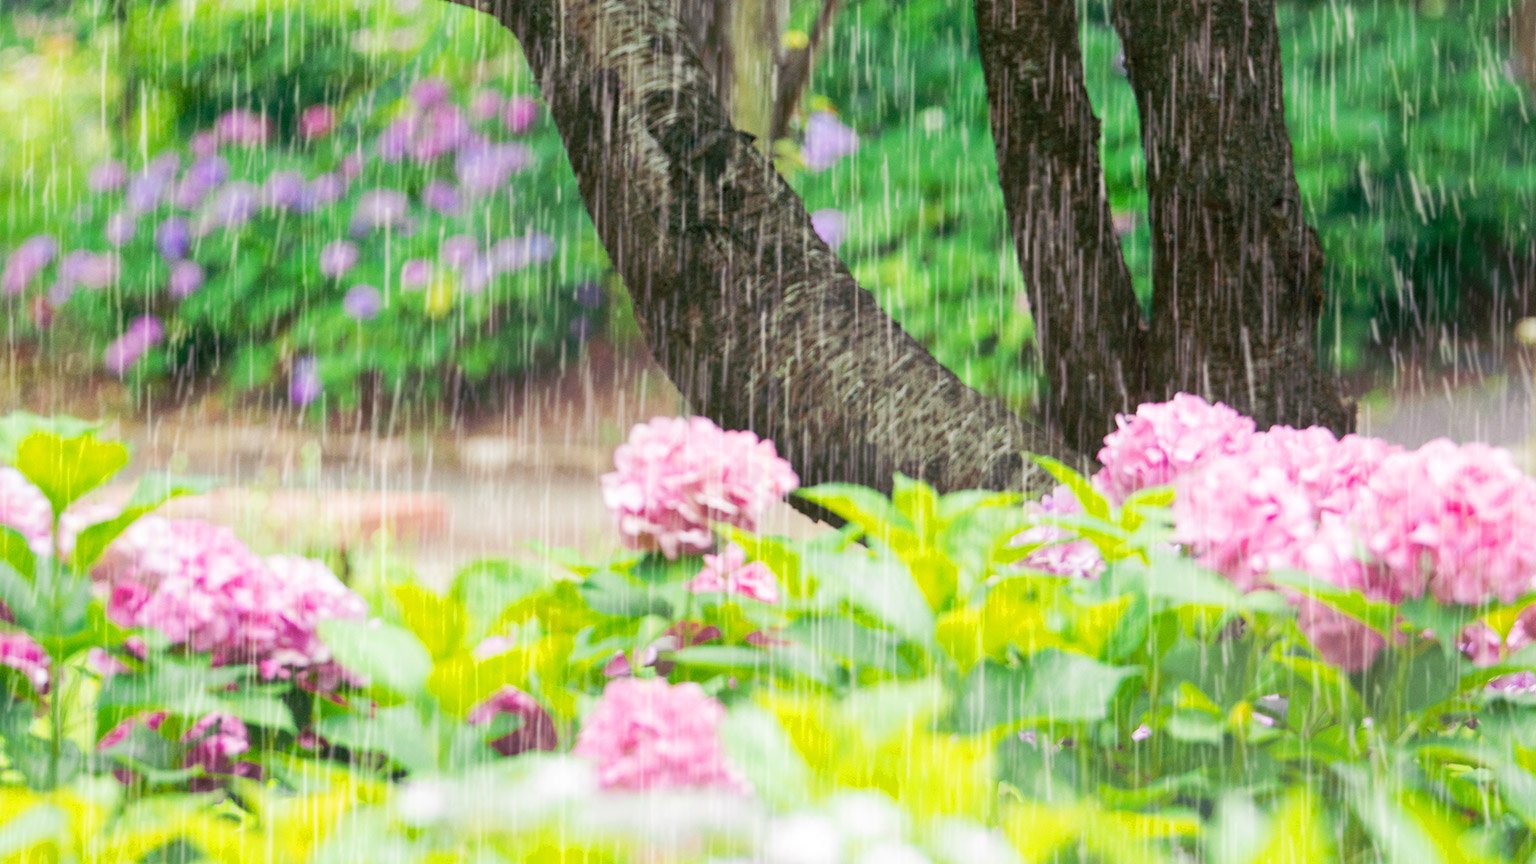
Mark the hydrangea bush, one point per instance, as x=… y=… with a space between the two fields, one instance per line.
x=1227 y=644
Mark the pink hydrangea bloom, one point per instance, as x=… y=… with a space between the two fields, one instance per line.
x=1243 y=518
x=675 y=475
x=537 y=731
x=316 y=121
x=25 y=508
x=1459 y=520
x=1063 y=556
x=242 y=127
x=730 y=573
x=215 y=742
x=201 y=587
x=19 y=652
x=649 y=734
x=1163 y=440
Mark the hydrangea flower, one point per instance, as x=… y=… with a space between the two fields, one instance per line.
x=458 y=250
x=120 y=228
x=286 y=190
x=488 y=167
x=327 y=189
x=729 y=573
x=647 y=734
x=337 y=257
x=25 y=509
x=675 y=475
x=362 y=303
x=239 y=126
x=1459 y=520
x=520 y=113
x=173 y=237
x=28 y=259
x=830 y=225
x=107 y=176
x=317 y=121
x=442 y=196
x=428 y=92
x=304 y=385
x=378 y=208
x=415 y=274
x=826 y=141
x=1063 y=555
x=144 y=333
x=214 y=742
x=186 y=277
x=1163 y=440
x=537 y=731
x=201 y=587
x=486 y=104
x=18 y=651
x=232 y=207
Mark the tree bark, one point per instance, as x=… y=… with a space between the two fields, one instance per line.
x=1087 y=318
x=1237 y=272
x=750 y=314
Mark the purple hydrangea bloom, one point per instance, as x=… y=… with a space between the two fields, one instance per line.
x=126 y=349
x=485 y=169
x=189 y=193
x=519 y=115
x=351 y=166
x=304 y=385
x=285 y=190
x=486 y=104
x=204 y=144
x=164 y=165
x=514 y=253
x=28 y=259
x=186 y=277
x=362 y=303
x=826 y=141
x=831 y=226
x=589 y=294
x=89 y=269
x=429 y=91
x=445 y=129
x=243 y=127
x=415 y=274
x=120 y=228
x=458 y=250
x=173 y=237
x=209 y=171
x=477 y=274
x=394 y=140
x=144 y=192
x=337 y=257
x=232 y=207
x=327 y=189
x=60 y=291
x=108 y=176
x=379 y=207
x=442 y=196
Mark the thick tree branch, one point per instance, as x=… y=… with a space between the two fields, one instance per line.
x=795 y=72
x=751 y=315
x=1047 y=137
x=1237 y=272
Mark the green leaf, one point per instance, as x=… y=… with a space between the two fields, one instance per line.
x=15 y=551
x=17 y=426
x=872 y=512
x=398 y=732
x=1094 y=504
x=391 y=658
x=880 y=585
x=439 y=622
x=67 y=468
x=20 y=596
x=1052 y=687
x=151 y=492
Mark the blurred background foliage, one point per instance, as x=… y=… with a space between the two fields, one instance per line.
x=1412 y=131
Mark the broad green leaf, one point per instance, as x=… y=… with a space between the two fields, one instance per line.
x=398 y=732
x=17 y=552
x=439 y=622
x=872 y=512
x=1094 y=504
x=151 y=492
x=881 y=586
x=463 y=681
x=1052 y=687
x=918 y=502
x=67 y=468
x=391 y=658
x=17 y=426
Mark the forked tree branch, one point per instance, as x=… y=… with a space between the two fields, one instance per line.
x=1086 y=314
x=750 y=314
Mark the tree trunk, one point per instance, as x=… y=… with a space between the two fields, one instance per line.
x=756 y=321
x=1237 y=272
x=1086 y=314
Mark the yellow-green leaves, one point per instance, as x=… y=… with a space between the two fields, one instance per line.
x=65 y=469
